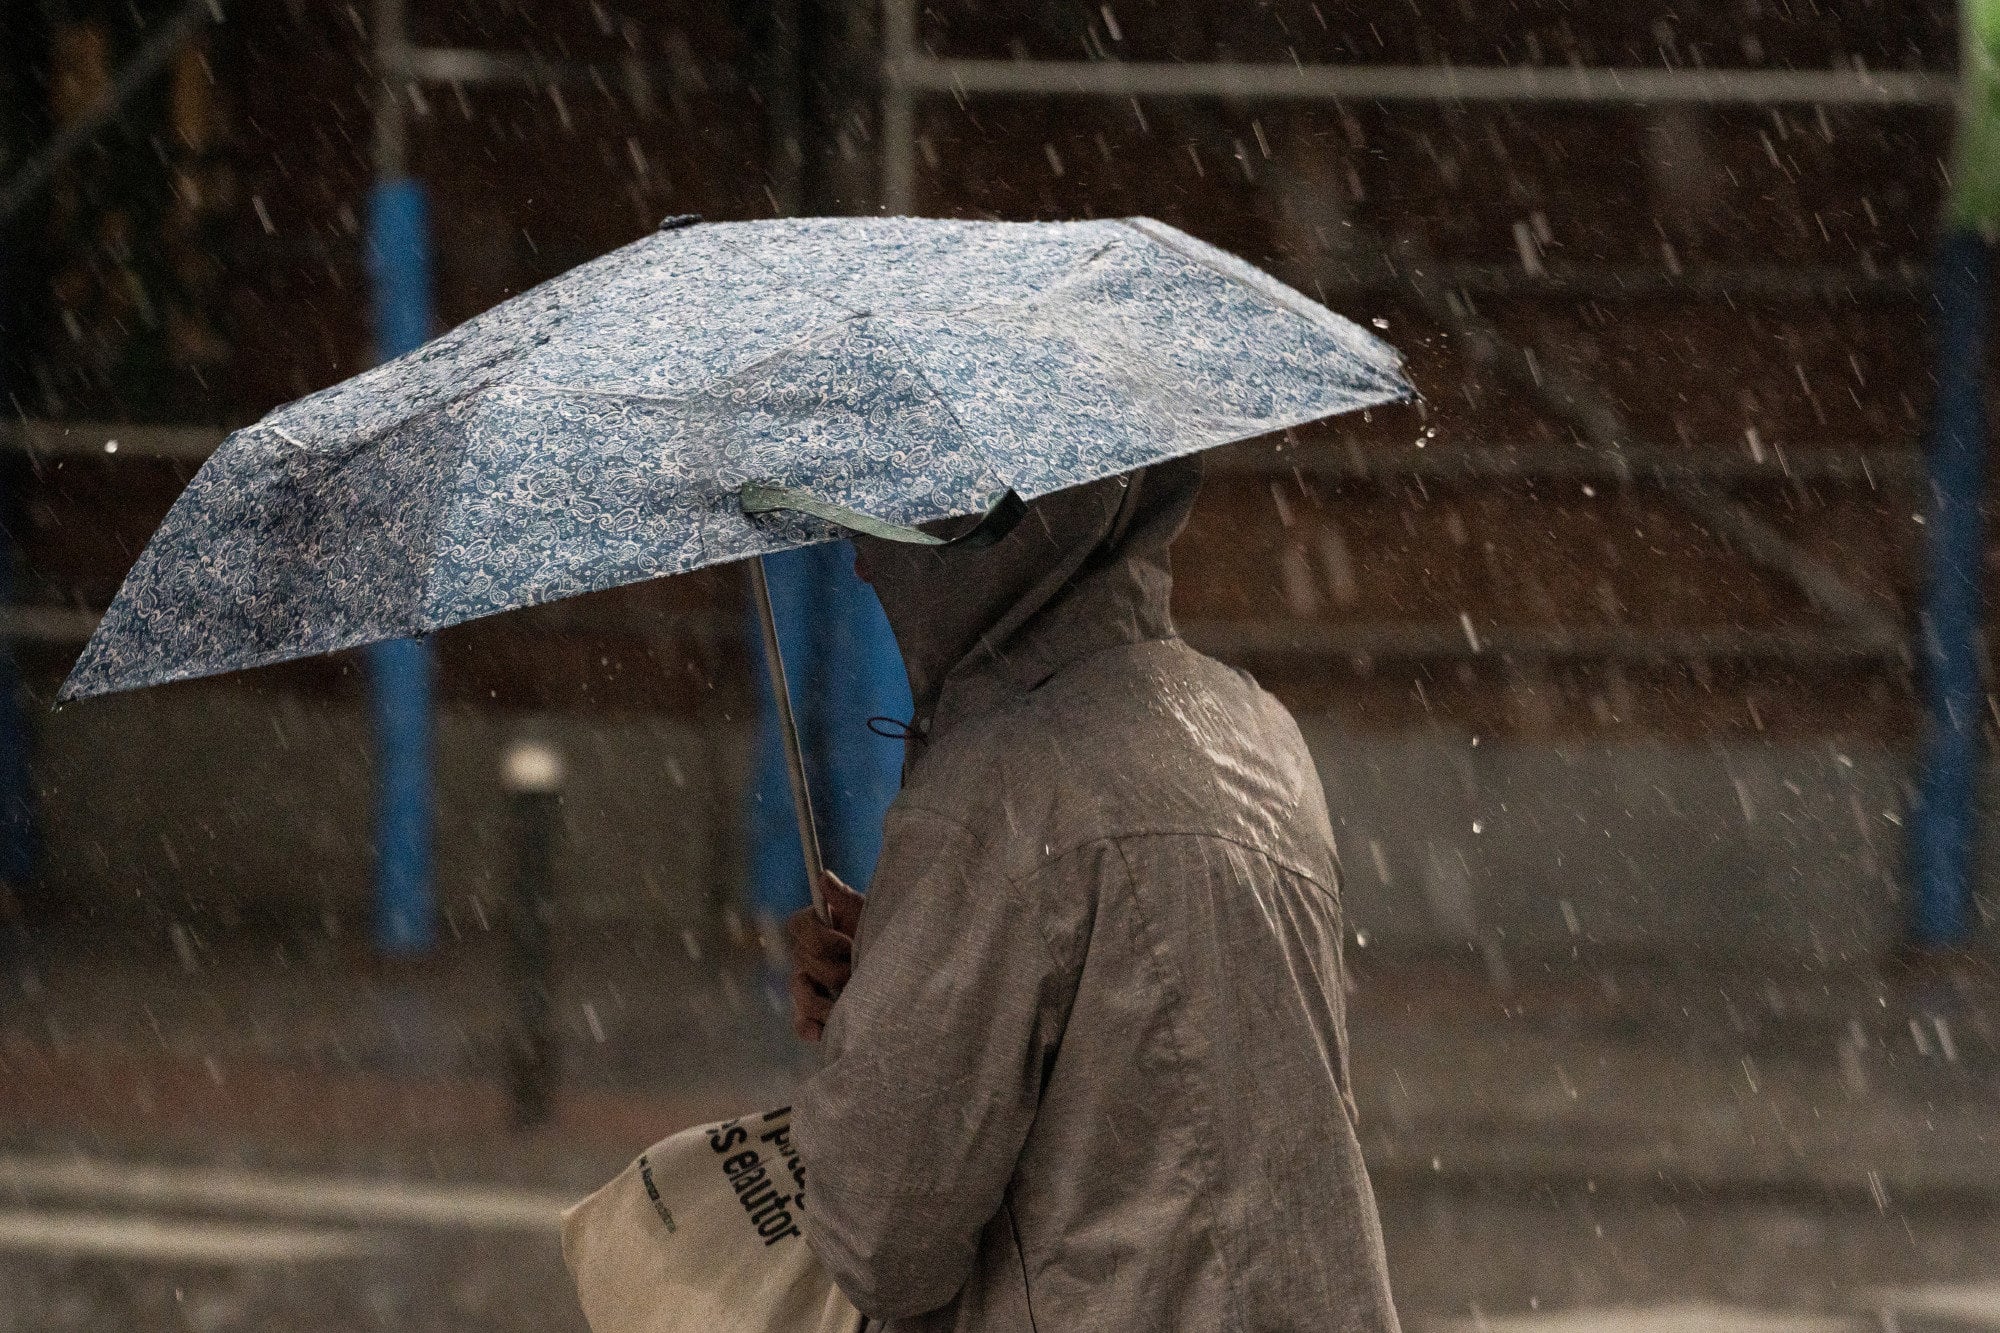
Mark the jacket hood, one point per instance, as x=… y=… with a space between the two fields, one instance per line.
x=1085 y=569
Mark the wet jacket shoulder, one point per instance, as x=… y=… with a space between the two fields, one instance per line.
x=1147 y=738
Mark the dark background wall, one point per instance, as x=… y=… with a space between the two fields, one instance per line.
x=204 y=263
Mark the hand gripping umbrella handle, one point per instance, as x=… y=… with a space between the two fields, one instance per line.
x=788 y=729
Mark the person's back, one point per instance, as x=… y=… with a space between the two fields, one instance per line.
x=1090 y=1070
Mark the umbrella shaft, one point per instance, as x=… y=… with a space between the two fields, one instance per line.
x=788 y=730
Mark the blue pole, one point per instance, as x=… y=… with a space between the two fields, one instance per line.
x=863 y=678
x=845 y=669
x=18 y=834
x=401 y=670
x=1944 y=824
x=17 y=786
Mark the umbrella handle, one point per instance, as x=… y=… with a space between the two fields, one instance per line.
x=788 y=730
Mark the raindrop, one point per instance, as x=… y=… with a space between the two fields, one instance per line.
x=1302 y=597
x=1337 y=566
x=1945 y=1042
x=1282 y=505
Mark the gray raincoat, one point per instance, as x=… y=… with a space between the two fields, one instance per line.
x=1090 y=1072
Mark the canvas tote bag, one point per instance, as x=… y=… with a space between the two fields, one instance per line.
x=701 y=1235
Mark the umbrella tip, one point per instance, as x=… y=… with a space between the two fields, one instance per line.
x=679 y=220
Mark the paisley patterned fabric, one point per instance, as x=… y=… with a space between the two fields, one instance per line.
x=594 y=431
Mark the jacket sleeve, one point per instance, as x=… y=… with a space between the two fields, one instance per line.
x=932 y=1069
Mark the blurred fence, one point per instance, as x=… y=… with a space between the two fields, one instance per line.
x=1651 y=538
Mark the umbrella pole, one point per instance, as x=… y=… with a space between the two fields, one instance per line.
x=788 y=729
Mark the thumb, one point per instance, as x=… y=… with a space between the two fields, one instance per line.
x=842 y=903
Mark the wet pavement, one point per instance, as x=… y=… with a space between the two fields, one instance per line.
x=232 y=1133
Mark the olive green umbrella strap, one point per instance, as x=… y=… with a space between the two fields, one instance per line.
x=998 y=520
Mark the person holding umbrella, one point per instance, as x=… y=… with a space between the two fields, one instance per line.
x=1085 y=1064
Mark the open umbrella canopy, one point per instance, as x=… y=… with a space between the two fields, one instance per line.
x=600 y=429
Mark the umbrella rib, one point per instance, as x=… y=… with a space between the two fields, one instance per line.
x=1195 y=259
x=635 y=395
x=1030 y=299
x=1305 y=308
x=1298 y=305
x=1044 y=295
x=916 y=368
x=1035 y=297
x=821 y=297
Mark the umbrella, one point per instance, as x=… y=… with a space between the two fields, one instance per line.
x=710 y=393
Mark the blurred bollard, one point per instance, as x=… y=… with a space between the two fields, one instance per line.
x=532 y=773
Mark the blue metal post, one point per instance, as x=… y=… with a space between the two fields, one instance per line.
x=863 y=677
x=18 y=838
x=399 y=269
x=1944 y=825
x=845 y=669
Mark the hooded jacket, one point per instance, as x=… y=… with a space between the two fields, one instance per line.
x=1090 y=1071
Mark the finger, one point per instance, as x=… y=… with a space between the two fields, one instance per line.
x=807 y=927
x=807 y=999
x=801 y=924
x=842 y=903
x=809 y=1005
x=828 y=970
x=817 y=940
x=814 y=936
x=836 y=887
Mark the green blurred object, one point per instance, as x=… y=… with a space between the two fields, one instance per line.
x=1975 y=195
